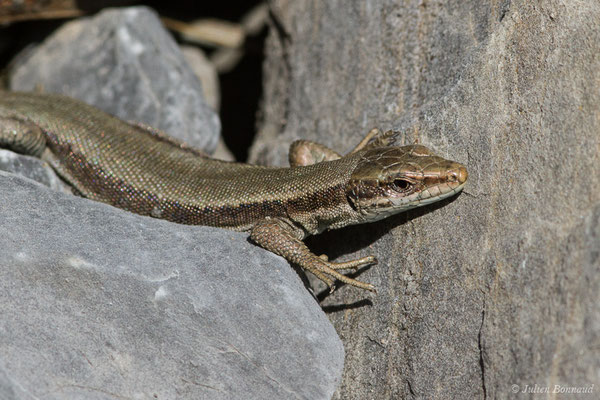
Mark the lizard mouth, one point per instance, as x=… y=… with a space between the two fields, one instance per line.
x=385 y=207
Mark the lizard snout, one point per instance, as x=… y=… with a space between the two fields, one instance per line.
x=458 y=174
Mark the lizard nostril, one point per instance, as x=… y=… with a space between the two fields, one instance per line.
x=458 y=174
x=452 y=176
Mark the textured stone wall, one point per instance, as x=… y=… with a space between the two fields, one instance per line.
x=495 y=291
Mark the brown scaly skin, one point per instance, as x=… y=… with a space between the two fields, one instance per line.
x=143 y=171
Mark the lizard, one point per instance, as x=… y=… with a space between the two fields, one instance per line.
x=143 y=170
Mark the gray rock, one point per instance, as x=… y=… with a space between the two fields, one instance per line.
x=32 y=168
x=500 y=286
x=98 y=303
x=141 y=73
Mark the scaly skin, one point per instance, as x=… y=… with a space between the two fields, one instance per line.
x=144 y=171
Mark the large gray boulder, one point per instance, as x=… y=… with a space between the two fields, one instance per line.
x=99 y=303
x=493 y=294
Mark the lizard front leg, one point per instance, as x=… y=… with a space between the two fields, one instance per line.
x=306 y=152
x=375 y=138
x=282 y=238
x=21 y=136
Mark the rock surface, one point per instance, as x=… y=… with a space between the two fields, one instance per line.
x=124 y=62
x=98 y=303
x=493 y=292
x=32 y=168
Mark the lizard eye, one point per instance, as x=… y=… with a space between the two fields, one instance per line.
x=400 y=185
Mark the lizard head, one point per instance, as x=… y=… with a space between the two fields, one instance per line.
x=389 y=180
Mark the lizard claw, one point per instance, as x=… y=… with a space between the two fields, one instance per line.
x=384 y=139
x=330 y=269
x=353 y=264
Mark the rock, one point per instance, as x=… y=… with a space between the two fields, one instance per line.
x=124 y=62
x=32 y=168
x=99 y=303
x=498 y=289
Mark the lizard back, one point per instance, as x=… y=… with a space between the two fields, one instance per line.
x=144 y=171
